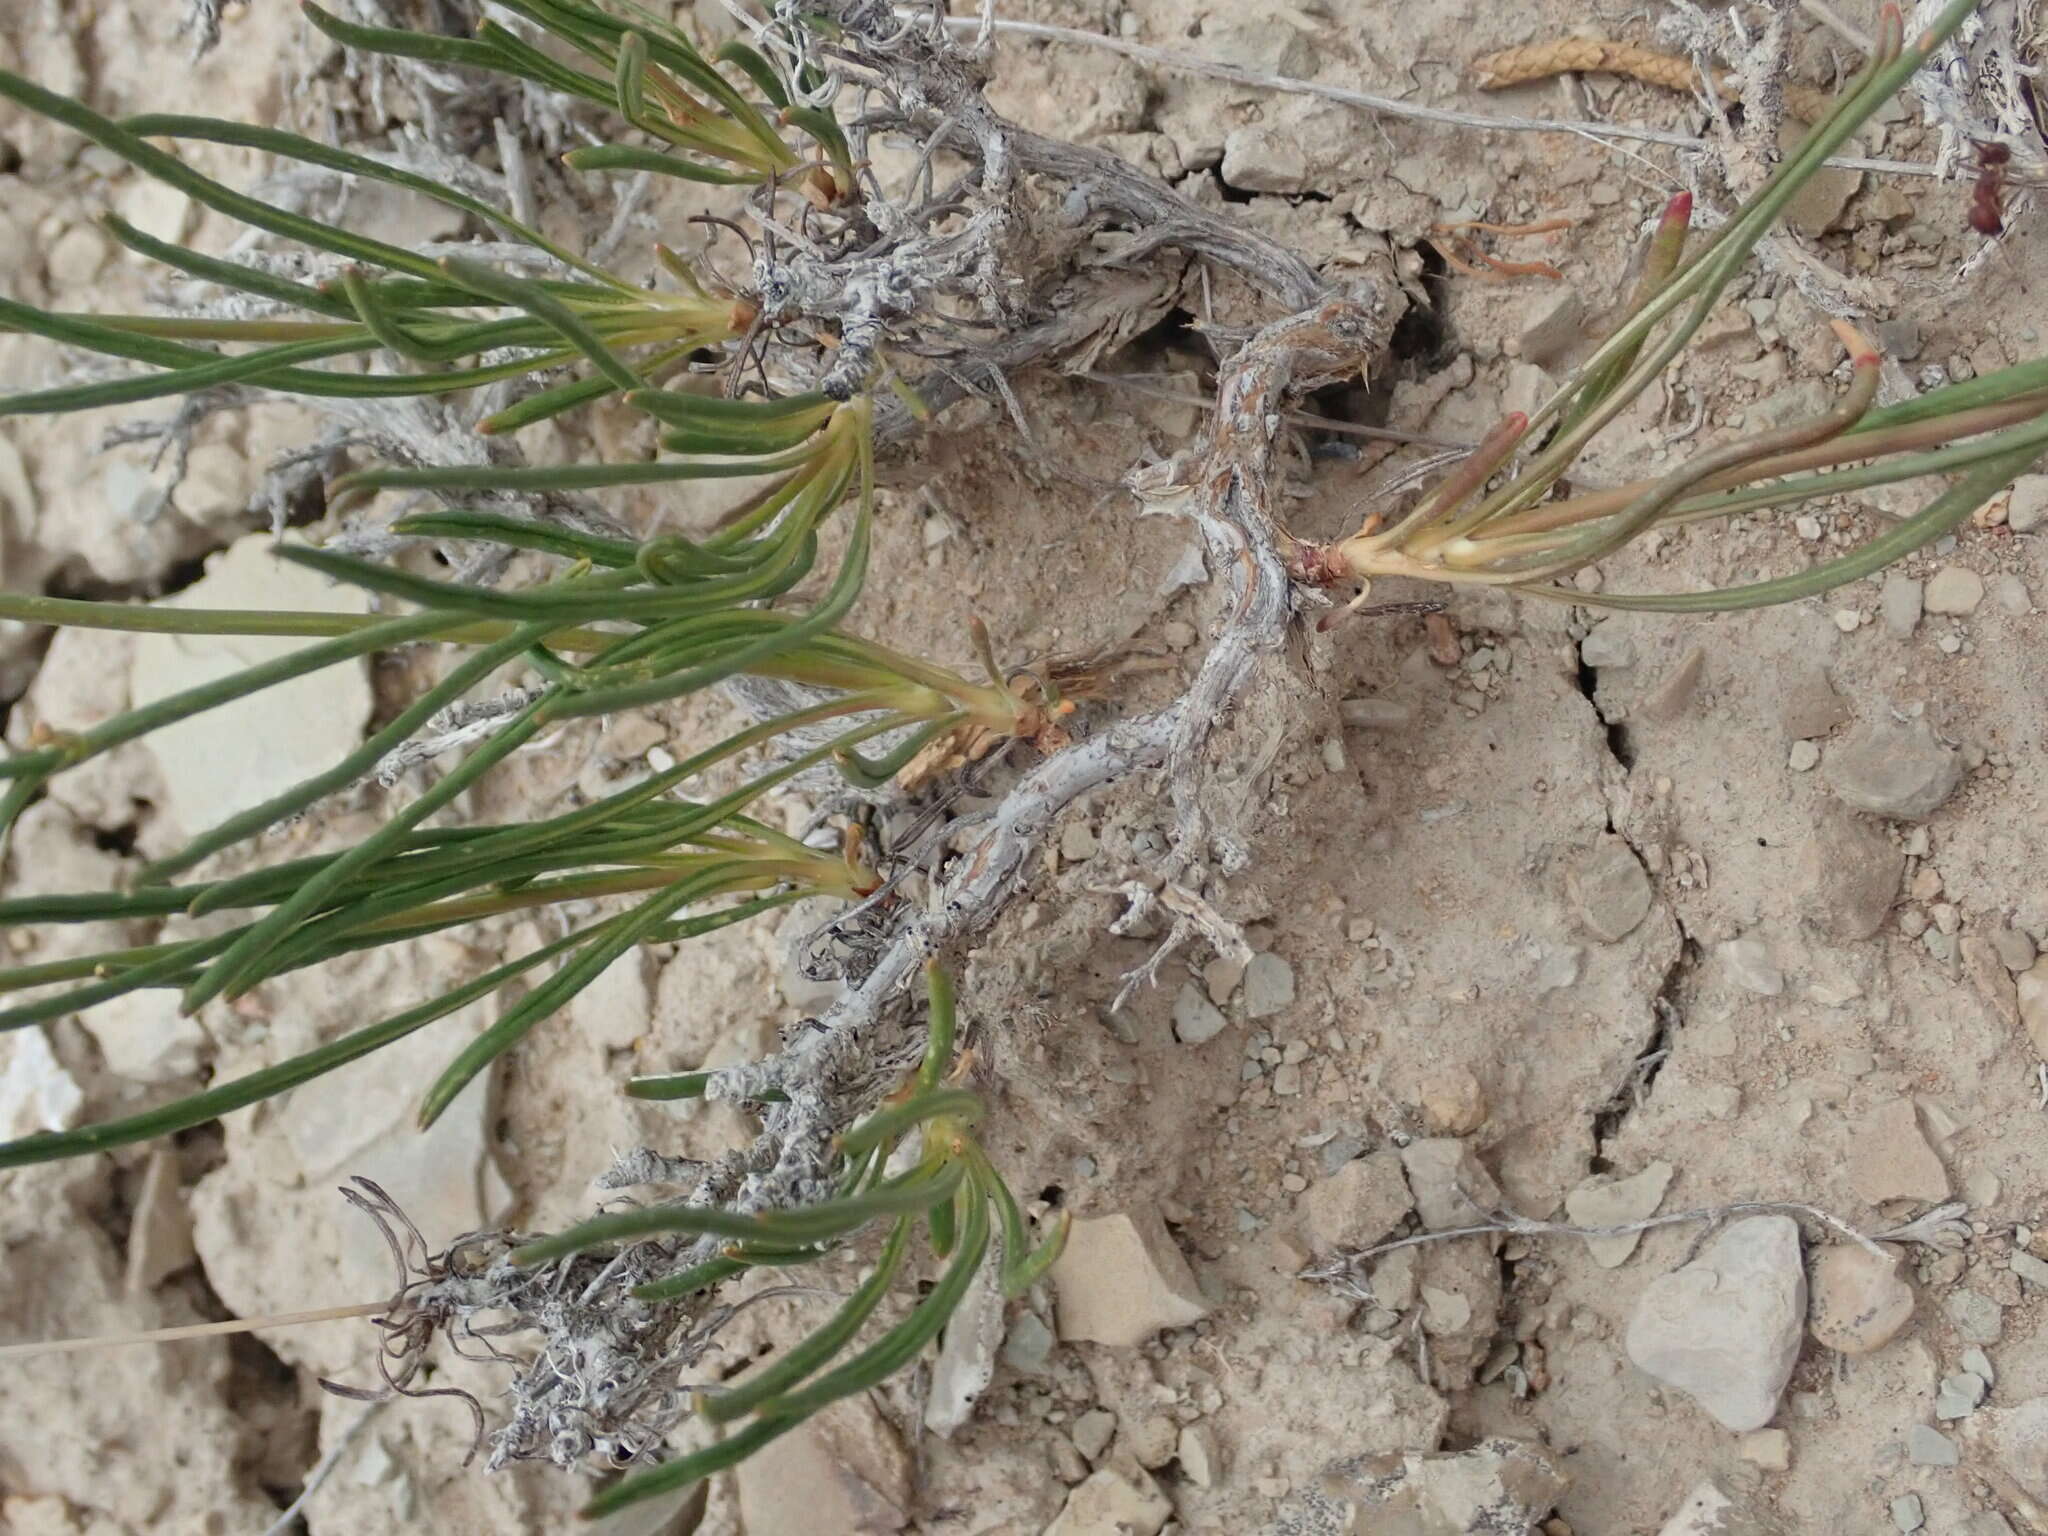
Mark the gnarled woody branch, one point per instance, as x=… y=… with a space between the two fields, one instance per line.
x=1224 y=485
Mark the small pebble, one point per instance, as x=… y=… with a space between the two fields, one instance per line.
x=2014 y=948
x=1268 y=986
x=1770 y=1449
x=2031 y=1270
x=1606 y=645
x=1907 y=1513
x=1901 y=602
x=1848 y=620
x=1195 y=1018
x=1954 y=589
x=2010 y=593
x=1959 y=1396
x=1374 y=714
x=1803 y=758
x=1929 y=1447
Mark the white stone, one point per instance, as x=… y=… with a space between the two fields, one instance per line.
x=1725 y=1329
x=238 y=756
x=618 y=1006
x=1354 y=1207
x=1954 y=589
x=1707 y=1511
x=1889 y=1158
x=1615 y=1203
x=36 y=1093
x=1196 y=1020
x=1110 y=1502
x=156 y=208
x=1092 y=1433
x=144 y=1037
x=76 y=257
x=1896 y=769
x=2028 y=508
x=1268 y=986
x=2016 y=1439
x=1901 y=601
x=844 y=1469
x=966 y=1362
x=1607 y=645
x=1263 y=157
x=2032 y=989
x=1451 y=1187
x=1770 y=1449
x=1750 y=966
x=160 y=1233
x=1497 y=1485
x=1121 y=1279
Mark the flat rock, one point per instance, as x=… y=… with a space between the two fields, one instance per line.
x=1900 y=602
x=1497 y=1486
x=1268 y=986
x=1889 y=1158
x=1092 y=1433
x=1607 y=645
x=1975 y=1316
x=1121 y=1279
x=144 y=1037
x=1613 y=1203
x=160 y=1234
x=1354 y=1207
x=1555 y=326
x=1028 y=1346
x=1711 y=1510
x=1609 y=890
x=1927 y=1446
x=1675 y=690
x=1196 y=1020
x=1452 y=1100
x=843 y=1469
x=1811 y=707
x=1725 y=1329
x=2028 y=508
x=1749 y=965
x=1954 y=589
x=966 y=1361
x=36 y=1093
x=1850 y=873
x=2014 y=948
x=2031 y=989
x=1896 y=769
x=1111 y=1501
x=1859 y=1299
x=1770 y=1449
x=2016 y=1440
x=1450 y=1186
x=1960 y=1395
x=235 y=757
x=1265 y=157
x=1269 y=45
